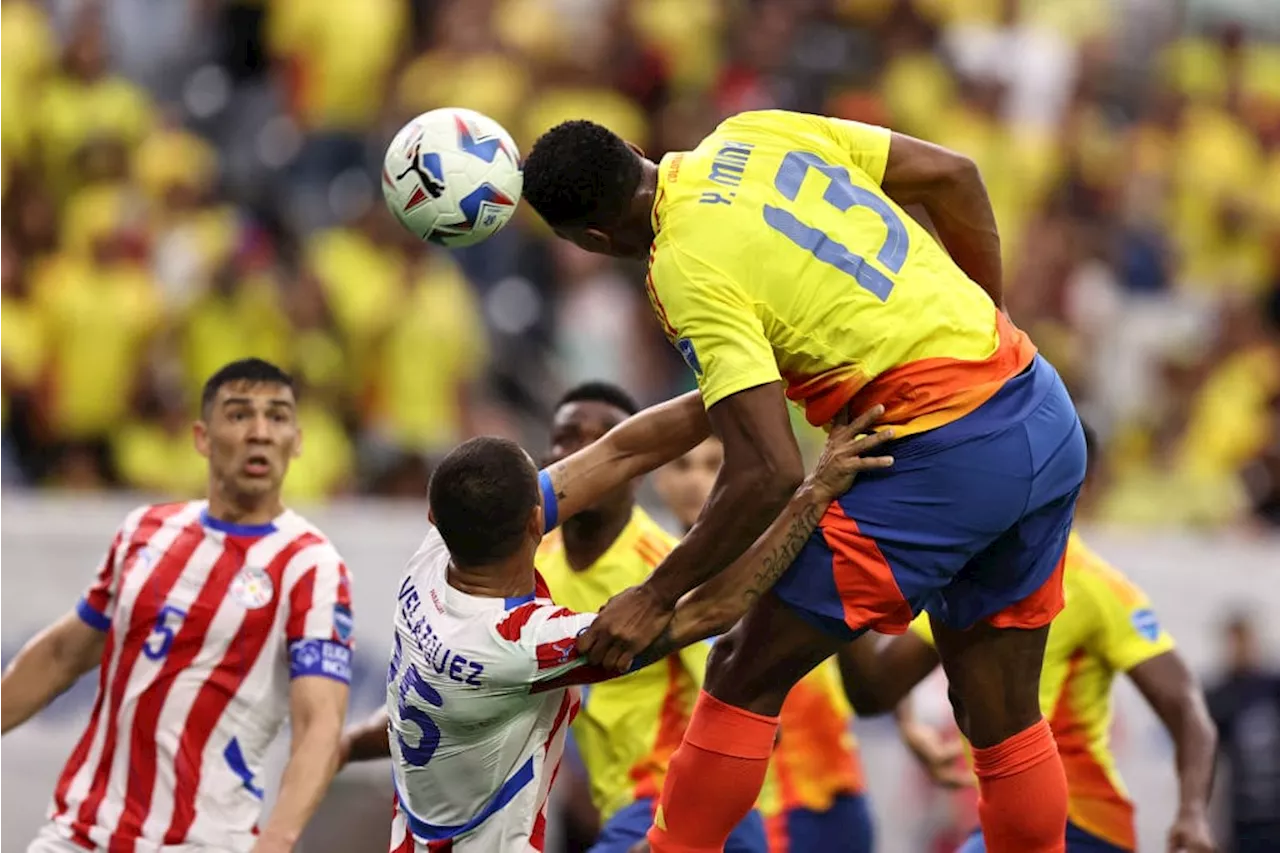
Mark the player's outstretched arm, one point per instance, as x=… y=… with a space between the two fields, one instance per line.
x=950 y=189
x=365 y=741
x=1173 y=693
x=48 y=664
x=762 y=469
x=317 y=708
x=937 y=756
x=716 y=605
x=643 y=442
x=880 y=672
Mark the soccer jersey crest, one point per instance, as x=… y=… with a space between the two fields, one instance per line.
x=252 y=588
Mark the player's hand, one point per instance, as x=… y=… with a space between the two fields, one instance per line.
x=939 y=758
x=844 y=454
x=1190 y=833
x=627 y=625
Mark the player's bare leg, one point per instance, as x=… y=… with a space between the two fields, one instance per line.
x=994 y=676
x=731 y=734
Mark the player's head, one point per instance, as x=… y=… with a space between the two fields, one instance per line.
x=685 y=484
x=485 y=502
x=593 y=188
x=584 y=414
x=1242 y=650
x=248 y=429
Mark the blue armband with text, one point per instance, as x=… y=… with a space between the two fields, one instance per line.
x=320 y=657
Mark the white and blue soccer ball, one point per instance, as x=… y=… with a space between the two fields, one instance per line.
x=452 y=176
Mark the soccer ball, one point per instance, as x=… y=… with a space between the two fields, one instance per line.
x=452 y=176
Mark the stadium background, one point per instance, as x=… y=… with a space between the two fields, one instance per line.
x=189 y=181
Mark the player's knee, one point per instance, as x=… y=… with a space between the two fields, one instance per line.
x=957 y=709
x=722 y=661
x=998 y=722
x=733 y=678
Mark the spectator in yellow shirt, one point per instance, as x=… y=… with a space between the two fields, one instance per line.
x=430 y=360
x=101 y=313
x=87 y=101
x=24 y=360
x=154 y=451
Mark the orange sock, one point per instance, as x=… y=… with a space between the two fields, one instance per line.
x=714 y=777
x=1023 y=801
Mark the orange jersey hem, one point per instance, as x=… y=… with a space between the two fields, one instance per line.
x=931 y=392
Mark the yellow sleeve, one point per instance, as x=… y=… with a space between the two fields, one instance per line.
x=866 y=144
x=694 y=659
x=712 y=325
x=1129 y=630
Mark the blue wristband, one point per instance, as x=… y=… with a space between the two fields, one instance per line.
x=550 y=507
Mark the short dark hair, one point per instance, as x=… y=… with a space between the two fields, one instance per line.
x=580 y=173
x=481 y=495
x=252 y=370
x=599 y=392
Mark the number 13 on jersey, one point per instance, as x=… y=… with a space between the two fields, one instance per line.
x=841 y=194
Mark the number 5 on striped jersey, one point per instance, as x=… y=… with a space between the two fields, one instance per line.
x=168 y=621
x=416 y=755
x=842 y=195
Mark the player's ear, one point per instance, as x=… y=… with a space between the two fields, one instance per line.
x=636 y=148
x=431 y=516
x=200 y=434
x=297 y=445
x=536 y=523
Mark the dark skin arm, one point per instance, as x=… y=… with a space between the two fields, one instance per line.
x=879 y=672
x=365 y=741
x=762 y=469
x=1172 y=692
x=949 y=188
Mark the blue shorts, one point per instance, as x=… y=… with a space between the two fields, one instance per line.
x=970 y=523
x=631 y=823
x=846 y=827
x=1078 y=841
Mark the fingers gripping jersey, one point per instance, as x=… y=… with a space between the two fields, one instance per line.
x=475 y=747
x=206 y=623
x=778 y=256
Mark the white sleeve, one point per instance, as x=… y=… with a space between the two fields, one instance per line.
x=542 y=637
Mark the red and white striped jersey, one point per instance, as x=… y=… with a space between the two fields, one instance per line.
x=206 y=622
x=475 y=737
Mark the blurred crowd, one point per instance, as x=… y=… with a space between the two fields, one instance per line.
x=192 y=181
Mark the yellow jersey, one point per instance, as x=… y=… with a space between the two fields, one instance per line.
x=816 y=758
x=778 y=256
x=1107 y=626
x=629 y=727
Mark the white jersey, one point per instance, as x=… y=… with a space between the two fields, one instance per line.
x=206 y=623
x=474 y=745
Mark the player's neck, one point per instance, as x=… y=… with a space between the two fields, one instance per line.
x=511 y=578
x=589 y=534
x=263 y=510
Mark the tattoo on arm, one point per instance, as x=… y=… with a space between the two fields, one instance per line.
x=658 y=649
x=777 y=561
